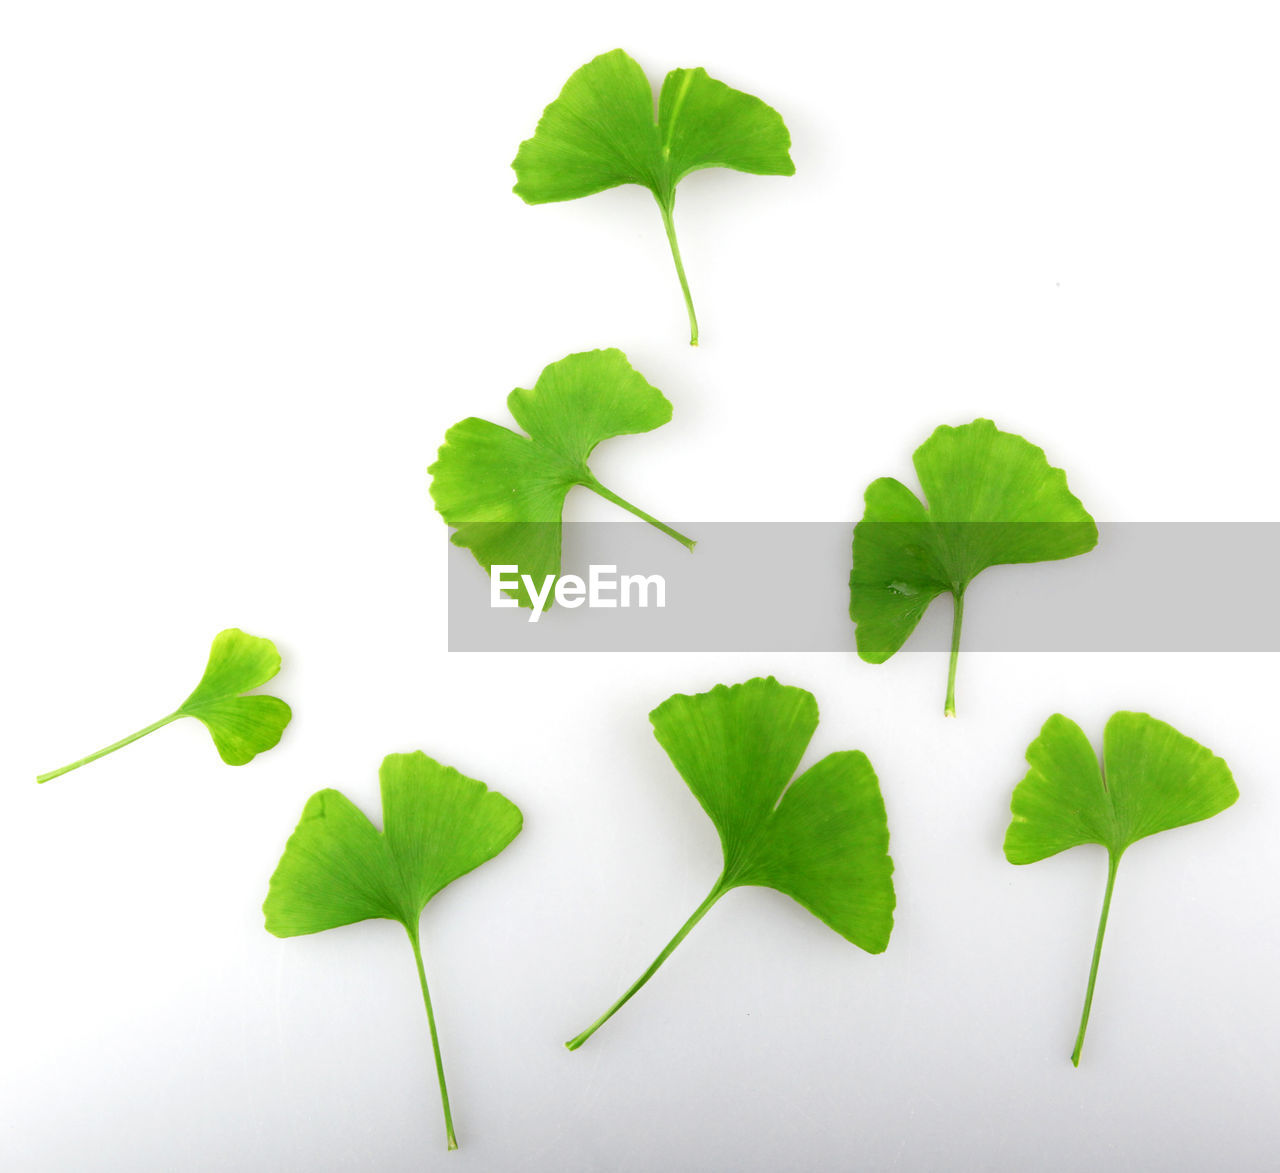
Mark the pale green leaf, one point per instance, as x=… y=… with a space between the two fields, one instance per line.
x=241 y=726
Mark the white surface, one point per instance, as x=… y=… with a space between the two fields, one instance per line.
x=257 y=257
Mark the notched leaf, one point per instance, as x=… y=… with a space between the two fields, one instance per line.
x=992 y=499
x=821 y=838
x=1152 y=778
x=601 y=132
x=338 y=869
x=241 y=726
x=504 y=492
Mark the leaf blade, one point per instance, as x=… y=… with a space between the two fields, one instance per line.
x=704 y=123
x=895 y=573
x=585 y=398
x=829 y=850
x=440 y=824
x=237 y=662
x=335 y=871
x=1159 y=778
x=997 y=500
x=1061 y=802
x=243 y=727
x=736 y=747
x=598 y=133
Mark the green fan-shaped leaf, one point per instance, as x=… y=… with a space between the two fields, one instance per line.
x=992 y=498
x=601 y=132
x=337 y=868
x=1152 y=778
x=241 y=726
x=504 y=493
x=821 y=838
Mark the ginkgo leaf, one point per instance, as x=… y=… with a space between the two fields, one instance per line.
x=992 y=498
x=821 y=838
x=1152 y=778
x=337 y=868
x=241 y=726
x=601 y=132
x=504 y=492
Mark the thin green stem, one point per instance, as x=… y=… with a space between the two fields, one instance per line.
x=435 y=1040
x=667 y=206
x=719 y=890
x=1113 y=862
x=957 y=619
x=596 y=487
x=102 y=753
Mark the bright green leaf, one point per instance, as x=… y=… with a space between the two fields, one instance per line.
x=1152 y=778
x=601 y=132
x=504 y=492
x=338 y=869
x=821 y=838
x=992 y=498
x=242 y=726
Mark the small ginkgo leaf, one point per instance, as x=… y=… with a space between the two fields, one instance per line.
x=504 y=493
x=337 y=868
x=821 y=838
x=241 y=726
x=601 y=133
x=992 y=498
x=1152 y=778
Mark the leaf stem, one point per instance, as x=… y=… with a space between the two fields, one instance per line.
x=435 y=1040
x=957 y=597
x=668 y=206
x=1113 y=862
x=719 y=890
x=596 y=487
x=102 y=753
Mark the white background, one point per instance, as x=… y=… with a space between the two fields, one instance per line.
x=257 y=257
